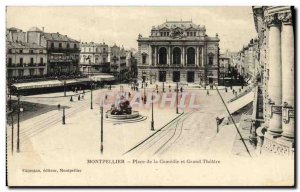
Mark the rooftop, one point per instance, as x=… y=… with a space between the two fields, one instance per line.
x=23 y=45
x=178 y=24
x=58 y=37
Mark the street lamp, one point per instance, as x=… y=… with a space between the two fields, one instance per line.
x=64 y=88
x=64 y=117
x=145 y=94
x=12 y=133
x=20 y=109
x=218 y=121
x=152 y=120
x=177 y=97
x=91 y=95
x=101 y=130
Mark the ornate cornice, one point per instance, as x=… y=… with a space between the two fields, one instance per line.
x=285 y=17
x=271 y=20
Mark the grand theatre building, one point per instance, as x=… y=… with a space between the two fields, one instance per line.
x=178 y=51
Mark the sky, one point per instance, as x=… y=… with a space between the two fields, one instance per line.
x=121 y=25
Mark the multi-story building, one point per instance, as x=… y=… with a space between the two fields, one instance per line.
x=224 y=67
x=275 y=29
x=63 y=51
x=94 y=58
x=118 y=62
x=25 y=59
x=178 y=51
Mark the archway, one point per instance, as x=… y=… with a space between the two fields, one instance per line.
x=176 y=55
x=162 y=56
x=191 y=55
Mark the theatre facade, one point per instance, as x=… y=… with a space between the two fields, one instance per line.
x=178 y=51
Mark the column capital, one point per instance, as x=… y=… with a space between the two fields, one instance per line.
x=272 y=20
x=285 y=18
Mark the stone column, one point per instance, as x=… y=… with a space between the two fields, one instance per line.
x=155 y=55
x=275 y=77
x=150 y=55
x=182 y=56
x=183 y=53
x=287 y=58
x=202 y=56
x=197 y=56
x=170 y=56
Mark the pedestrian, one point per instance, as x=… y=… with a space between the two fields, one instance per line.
x=146 y=84
x=82 y=97
x=105 y=96
x=71 y=99
x=58 y=106
x=157 y=91
x=181 y=89
x=207 y=92
x=129 y=94
x=79 y=97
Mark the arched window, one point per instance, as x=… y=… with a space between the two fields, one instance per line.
x=210 y=59
x=176 y=55
x=191 y=55
x=162 y=56
x=144 y=58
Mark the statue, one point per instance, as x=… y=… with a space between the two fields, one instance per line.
x=121 y=108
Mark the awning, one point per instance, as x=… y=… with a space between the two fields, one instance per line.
x=103 y=78
x=39 y=84
x=239 y=103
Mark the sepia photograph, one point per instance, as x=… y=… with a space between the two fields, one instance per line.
x=150 y=96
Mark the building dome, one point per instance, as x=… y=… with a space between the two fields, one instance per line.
x=35 y=29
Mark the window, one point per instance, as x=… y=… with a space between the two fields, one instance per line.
x=21 y=51
x=9 y=51
x=31 y=72
x=41 y=60
x=60 y=45
x=52 y=45
x=191 y=53
x=75 y=46
x=21 y=72
x=195 y=33
x=21 y=61
x=89 y=49
x=31 y=60
x=144 y=57
x=210 y=59
x=162 y=52
x=68 y=45
x=96 y=49
x=103 y=49
x=30 y=51
x=9 y=61
x=104 y=60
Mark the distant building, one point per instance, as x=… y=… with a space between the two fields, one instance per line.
x=63 y=52
x=94 y=58
x=25 y=59
x=118 y=62
x=178 y=51
x=224 y=68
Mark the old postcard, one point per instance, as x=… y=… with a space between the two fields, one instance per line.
x=150 y=96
